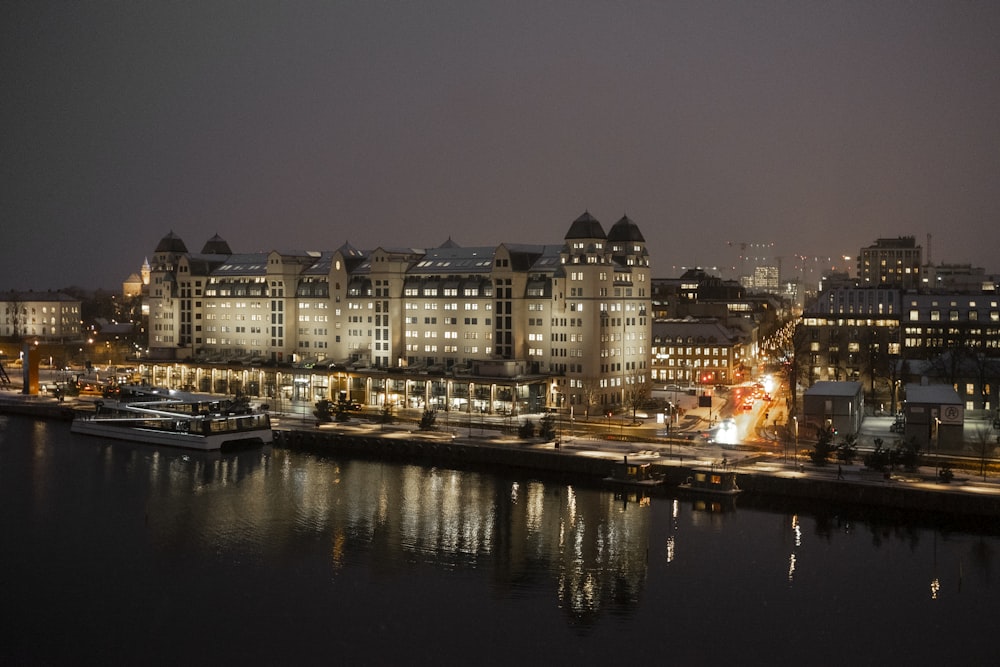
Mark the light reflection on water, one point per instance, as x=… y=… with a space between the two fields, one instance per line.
x=370 y=561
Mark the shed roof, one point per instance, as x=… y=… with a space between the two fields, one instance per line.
x=932 y=394
x=834 y=389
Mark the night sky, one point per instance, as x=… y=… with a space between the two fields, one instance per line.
x=813 y=126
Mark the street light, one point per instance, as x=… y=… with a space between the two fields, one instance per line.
x=795 y=430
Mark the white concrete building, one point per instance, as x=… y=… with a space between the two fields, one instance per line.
x=45 y=316
x=577 y=312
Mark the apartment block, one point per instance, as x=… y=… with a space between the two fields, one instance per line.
x=576 y=312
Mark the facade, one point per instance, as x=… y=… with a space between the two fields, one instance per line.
x=702 y=352
x=935 y=418
x=972 y=377
x=575 y=312
x=882 y=336
x=701 y=295
x=838 y=404
x=957 y=278
x=894 y=262
x=44 y=316
x=763 y=279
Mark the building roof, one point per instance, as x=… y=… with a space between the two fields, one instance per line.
x=453 y=259
x=703 y=330
x=834 y=389
x=586 y=227
x=216 y=246
x=549 y=261
x=321 y=267
x=246 y=264
x=625 y=230
x=33 y=296
x=932 y=394
x=171 y=243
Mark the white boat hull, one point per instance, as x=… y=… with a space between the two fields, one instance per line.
x=204 y=442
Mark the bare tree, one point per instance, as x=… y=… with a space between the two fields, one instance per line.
x=798 y=363
x=871 y=358
x=983 y=444
x=637 y=392
x=14 y=314
x=590 y=388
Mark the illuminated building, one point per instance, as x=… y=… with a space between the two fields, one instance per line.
x=576 y=312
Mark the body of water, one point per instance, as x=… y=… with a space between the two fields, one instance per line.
x=114 y=553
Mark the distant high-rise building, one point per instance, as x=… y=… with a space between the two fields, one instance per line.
x=891 y=262
x=766 y=279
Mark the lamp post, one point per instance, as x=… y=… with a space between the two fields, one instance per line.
x=554 y=406
x=795 y=431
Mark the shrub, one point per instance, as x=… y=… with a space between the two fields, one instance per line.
x=547 y=427
x=824 y=446
x=879 y=459
x=386 y=415
x=847 y=450
x=323 y=410
x=427 y=420
x=907 y=454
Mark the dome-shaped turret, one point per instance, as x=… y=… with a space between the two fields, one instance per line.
x=216 y=246
x=625 y=230
x=171 y=243
x=585 y=227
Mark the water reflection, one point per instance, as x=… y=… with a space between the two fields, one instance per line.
x=327 y=549
x=593 y=545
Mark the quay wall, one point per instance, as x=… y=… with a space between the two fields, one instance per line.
x=959 y=498
x=484 y=454
x=26 y=408
x=478 y=453
x=944 y=499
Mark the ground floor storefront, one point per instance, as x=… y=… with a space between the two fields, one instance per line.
x=284 y=387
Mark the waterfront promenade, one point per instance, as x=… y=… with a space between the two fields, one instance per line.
x=766 y=465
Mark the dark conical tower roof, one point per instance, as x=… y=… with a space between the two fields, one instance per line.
x=171 y=243
x=216 y=246
x=625 y=230
x=585 y=227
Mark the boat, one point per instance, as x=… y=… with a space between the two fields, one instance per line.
x=631 y=474
x=175 y=419
x=710 y=480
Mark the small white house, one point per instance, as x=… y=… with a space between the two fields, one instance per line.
x=935 y=416
x=840 y=404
